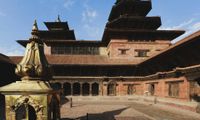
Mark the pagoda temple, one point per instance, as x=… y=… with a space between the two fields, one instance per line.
x=134 y=57
x=128 y=20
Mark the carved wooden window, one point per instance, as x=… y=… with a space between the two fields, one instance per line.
x=142 y=53
x=75 y=50
x=130 y=89
x=174 y=89
x=111 y=89
x=123 y=51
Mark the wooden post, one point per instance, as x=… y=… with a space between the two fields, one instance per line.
x=71 y=104
x=87 y=116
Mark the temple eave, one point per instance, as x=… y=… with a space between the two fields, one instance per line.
x=141 y=8
x=61 y=25
x=135 y=22
x=141 y=34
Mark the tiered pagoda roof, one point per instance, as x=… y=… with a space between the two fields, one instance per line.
x=57 y=30
x=128 y=20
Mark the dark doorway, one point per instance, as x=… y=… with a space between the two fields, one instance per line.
x=86 y=89
x=95 y=89
x=56 y=86
x=151 y=89
x=67 y=89
x=76 y=89
x=22 y=115
x=111 y=89
x=55 y=112
x=130 y=89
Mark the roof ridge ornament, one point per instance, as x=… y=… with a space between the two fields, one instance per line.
x=35 y=26
x=34 y=65
x=35 y=33
x=58 y=19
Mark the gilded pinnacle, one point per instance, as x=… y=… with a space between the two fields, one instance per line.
x=35 y=33
x=34 y=65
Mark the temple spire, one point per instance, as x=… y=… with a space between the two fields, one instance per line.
x=35 y=26
x=34 y=65
x=35 y=32
x=58 y=19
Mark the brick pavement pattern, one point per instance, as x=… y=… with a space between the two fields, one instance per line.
x=123 y=111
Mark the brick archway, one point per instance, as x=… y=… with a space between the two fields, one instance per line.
x=21 y=112
x=111 y=89
x=95 y=89
x=86 y=89
x=67 y=88
x=76 y=89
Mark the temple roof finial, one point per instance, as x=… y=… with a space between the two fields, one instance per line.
x=35 y=27
x=34 y=65
x=35 y=32
x=58 y=19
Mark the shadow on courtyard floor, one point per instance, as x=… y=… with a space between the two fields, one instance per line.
x=110 y=115
x=64 y=100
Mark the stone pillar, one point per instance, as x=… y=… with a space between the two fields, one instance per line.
x=62 y=89
x=81 y=89
x=101 y=88
x=90 y=90
x=105 y=89
x=71 y=89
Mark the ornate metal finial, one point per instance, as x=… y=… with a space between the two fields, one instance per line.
x=35 y=33
x=35 y=26
x=34 y=65
x=58 y=19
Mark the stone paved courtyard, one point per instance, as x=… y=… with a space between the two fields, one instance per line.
x=113 y=110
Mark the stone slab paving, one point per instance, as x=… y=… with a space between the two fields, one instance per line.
x=123 y=111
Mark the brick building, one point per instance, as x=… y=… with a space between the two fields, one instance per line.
x=134 y=57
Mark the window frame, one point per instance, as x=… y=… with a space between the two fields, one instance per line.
x=142 y=52
x=123 y=51
x=171 y=86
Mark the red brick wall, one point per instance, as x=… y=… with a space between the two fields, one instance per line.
x=47 y=50
x=194 y=91
x=104 y=89
x=153 y=47
x=161 y=87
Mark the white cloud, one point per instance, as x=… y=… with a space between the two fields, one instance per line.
x=93 y=32
x=68 y=3
x=183 y=25
x=12 y=51
x=89 y=25
x=190 y=26
x=195 y=26
x=89 y=15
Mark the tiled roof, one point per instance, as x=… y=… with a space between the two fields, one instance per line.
x=185 y=41
x=82 y=60
x=5 y=59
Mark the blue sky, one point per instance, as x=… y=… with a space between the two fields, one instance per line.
x=86 y=17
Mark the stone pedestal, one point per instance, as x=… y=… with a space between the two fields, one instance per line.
x=37 y=97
